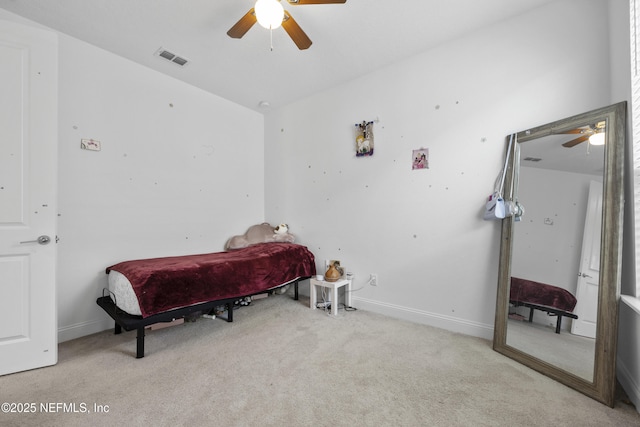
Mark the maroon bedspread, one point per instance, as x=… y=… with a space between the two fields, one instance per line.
x=163 y=284
x=523 y=290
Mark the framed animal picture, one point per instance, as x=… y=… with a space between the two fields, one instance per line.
x=364 y=139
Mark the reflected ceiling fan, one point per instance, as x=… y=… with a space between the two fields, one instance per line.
x=593 y=133
x=270 y=14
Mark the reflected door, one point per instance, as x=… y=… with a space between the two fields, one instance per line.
x=589 y=274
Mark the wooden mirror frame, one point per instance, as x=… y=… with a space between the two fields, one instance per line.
x=602 y=388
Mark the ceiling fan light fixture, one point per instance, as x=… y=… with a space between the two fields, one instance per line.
x=269 y=13
x=597 y=138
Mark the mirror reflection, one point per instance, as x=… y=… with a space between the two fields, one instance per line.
x=553 y=297
x=560 y=263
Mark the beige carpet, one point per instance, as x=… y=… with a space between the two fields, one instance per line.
x=570 y=352
x=280 y=363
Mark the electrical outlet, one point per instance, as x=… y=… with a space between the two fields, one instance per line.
x=373 y=279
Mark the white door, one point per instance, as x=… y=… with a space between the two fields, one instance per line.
x=28 y=170
x=589 y=274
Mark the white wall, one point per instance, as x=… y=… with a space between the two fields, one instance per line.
x=180 y=171
x=421 y=231
x=550 y=253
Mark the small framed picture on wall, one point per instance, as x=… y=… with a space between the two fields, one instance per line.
x=364 y=139
x=420 y=159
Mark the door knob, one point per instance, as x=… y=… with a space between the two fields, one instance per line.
x=43 y=240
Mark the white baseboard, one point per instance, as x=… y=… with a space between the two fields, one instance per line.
x=449 y=323
x=628 y=383
x=71 y=332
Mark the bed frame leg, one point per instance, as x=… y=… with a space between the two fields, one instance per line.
x=296 y=291
x=140 y=343
x=117 y=330
x=558 y=324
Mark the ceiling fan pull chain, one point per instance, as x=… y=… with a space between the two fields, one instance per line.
x=271 y=37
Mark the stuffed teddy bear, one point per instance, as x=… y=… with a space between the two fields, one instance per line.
x=261 y=233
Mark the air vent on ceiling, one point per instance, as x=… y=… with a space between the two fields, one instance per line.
x=170 y=56
x=532 y=159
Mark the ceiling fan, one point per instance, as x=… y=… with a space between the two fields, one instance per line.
x=262 y=13
x=589 y=132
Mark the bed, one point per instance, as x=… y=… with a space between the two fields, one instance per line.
x=147 y=291
x=551 y=299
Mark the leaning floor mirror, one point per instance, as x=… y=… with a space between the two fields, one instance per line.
x=560 y=261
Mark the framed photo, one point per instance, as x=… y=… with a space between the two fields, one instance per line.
x=420 y=159
x=364 y=139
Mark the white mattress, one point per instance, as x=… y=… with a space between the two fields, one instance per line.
x=122 y=292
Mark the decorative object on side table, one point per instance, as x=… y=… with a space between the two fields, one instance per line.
x=332 y=274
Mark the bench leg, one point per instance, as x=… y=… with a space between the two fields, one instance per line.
x=140 y=343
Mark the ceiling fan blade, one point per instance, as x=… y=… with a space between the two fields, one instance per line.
x=574 y=131
x=297 y=2
x=576 y=141
x=298 y=36
x=243 y=25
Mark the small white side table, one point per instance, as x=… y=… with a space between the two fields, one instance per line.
x=313 y=291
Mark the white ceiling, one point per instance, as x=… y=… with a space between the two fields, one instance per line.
x=583 y=158
x=349 y=40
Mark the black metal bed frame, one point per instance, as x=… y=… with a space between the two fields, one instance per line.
x=552 y=311
x=130 y=322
